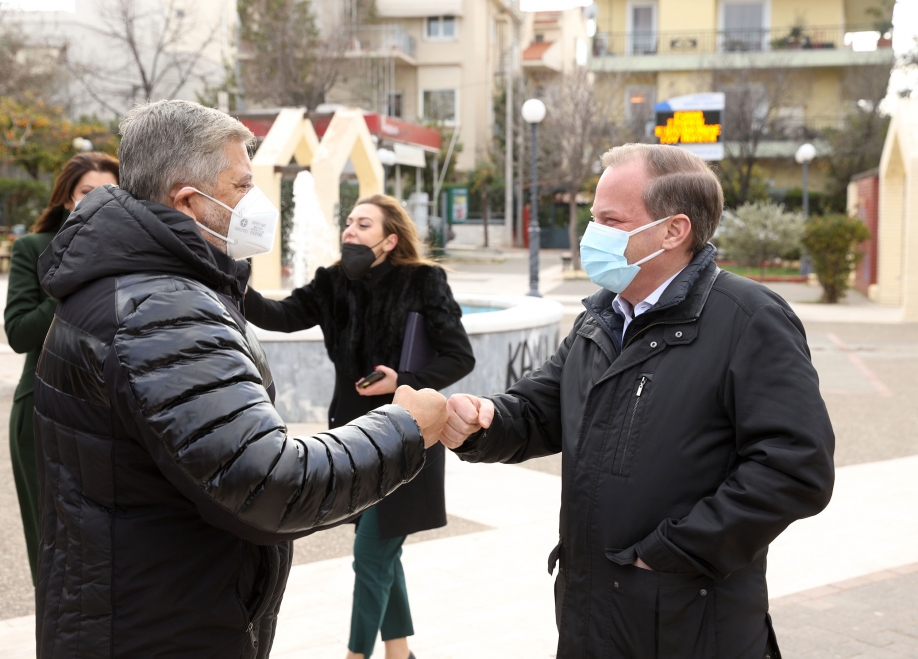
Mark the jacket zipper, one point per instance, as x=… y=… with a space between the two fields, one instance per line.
x=272 y=567
x=644 y=380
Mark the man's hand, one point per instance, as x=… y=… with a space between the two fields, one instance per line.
x=428 y=407
x=467 y=415
x=641 y=564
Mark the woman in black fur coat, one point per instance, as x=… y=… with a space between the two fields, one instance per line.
x=362 y=306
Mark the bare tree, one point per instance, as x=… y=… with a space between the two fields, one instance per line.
x=154 y=44
x=857 y=145
x=287 y=58
x=754 y=100
x=580 y=126
x=27 y=67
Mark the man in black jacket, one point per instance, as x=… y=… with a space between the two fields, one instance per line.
x=689 y=420
x=170 y=489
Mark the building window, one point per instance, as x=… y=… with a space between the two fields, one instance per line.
x=440 y=104
x=643 y=28
x=441 y=27
x=639 y=102
x=539 y=37
x=744 y=26
x=394 y=105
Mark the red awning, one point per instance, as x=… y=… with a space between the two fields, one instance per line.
x=385 y=128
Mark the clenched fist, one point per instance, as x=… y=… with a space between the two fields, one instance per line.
x=428 y=407
x=467 y=415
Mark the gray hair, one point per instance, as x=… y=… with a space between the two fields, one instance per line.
x=680 y=182
x=169 y=142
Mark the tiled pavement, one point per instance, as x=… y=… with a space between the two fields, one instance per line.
x=871 y=616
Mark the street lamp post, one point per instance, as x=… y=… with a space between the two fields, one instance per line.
x=533 y=113
x=804 y=156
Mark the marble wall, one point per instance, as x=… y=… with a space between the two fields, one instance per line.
x=304 y=377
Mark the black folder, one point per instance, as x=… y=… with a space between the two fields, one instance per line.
x=417 y=353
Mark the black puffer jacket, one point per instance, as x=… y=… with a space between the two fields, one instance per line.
x=170 y=488
x=692 y=442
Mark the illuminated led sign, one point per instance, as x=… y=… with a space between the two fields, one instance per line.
x=688 y=127
x=693 y=122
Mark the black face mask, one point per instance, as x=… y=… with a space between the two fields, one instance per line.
x=357 y=259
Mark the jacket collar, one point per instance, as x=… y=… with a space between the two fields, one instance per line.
x=113 y=234
x=376 y=274
x=683 y=299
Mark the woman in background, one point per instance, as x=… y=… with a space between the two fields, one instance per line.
x=27 y=318
x=362 y=305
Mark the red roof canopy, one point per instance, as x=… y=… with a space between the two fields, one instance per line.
x=385 y=128
x=536 y=49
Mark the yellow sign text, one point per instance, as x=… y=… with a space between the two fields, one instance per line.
x=688 y=127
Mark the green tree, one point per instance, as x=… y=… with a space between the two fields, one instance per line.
x=833 y=242
x=38 y=137
x=22 y=200
x=758 y=232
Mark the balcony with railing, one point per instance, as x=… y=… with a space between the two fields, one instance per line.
x=372 y=41
x=766 y=48
x=780 y=135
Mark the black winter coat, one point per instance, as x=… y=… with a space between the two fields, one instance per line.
x=170 y=489
x=363 y=323
x=693 y=447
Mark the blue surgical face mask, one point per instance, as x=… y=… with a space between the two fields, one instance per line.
x=602 y=253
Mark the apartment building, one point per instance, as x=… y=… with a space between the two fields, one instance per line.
x=795 y=61
x=434 y=62
x=554 y=42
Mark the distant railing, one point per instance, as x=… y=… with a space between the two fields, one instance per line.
x=376 y=39
x=626 y=44
x=810 y=128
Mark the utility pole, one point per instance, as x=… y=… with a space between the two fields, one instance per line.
x=509 y=81
x=511 y=55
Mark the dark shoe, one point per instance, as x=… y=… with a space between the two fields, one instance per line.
x=411 y=655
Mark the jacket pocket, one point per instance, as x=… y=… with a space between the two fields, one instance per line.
x=659 y=615
x=631 y=627
x=686 y=615
x=255 y=602
x=631 y=429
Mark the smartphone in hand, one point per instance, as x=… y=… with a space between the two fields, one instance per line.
x=367 y=380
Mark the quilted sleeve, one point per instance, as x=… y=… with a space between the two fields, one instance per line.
x=193 y=389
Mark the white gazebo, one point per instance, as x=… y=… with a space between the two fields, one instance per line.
x=292 y=137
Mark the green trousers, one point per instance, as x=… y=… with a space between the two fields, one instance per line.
x=380 y=594
x=22 y=455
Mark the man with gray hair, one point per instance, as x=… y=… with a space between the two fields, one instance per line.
x=689 y=420
x=170 y=488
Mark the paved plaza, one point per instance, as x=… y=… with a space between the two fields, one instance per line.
x=842 y=584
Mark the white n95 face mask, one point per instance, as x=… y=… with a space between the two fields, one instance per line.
x=252 y=227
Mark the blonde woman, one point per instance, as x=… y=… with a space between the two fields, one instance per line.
x=362 y=305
